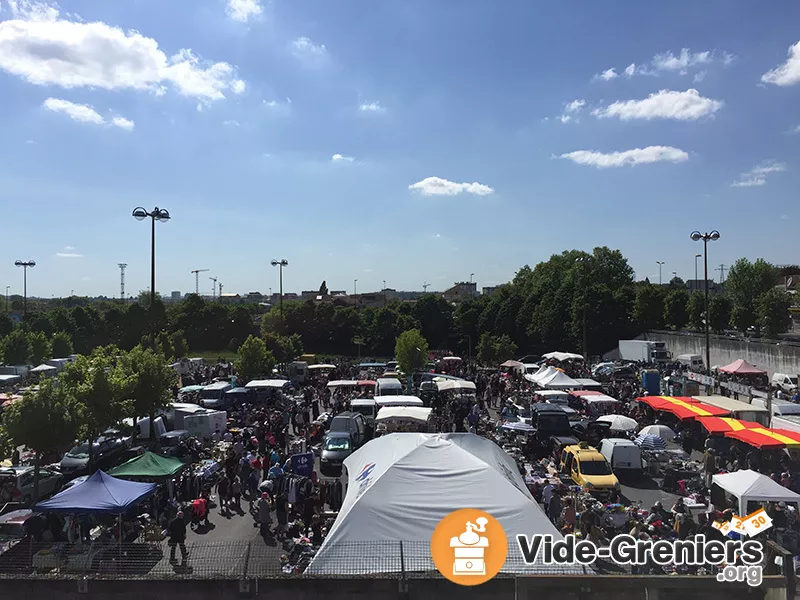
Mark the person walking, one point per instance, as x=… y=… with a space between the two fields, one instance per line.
x=264 y=514
x=177 y=537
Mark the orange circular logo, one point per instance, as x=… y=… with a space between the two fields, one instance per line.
x=469 y=546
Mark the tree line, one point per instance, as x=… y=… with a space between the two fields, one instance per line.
x=541 y=309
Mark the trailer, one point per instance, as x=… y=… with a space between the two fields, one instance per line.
x=643 y=351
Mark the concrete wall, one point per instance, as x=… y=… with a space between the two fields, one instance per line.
x=525 y=588
x=775 y=358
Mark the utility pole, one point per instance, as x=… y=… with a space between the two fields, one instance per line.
x=197 y=279
x=213 y=288
x=721 y=270
x=122 y=267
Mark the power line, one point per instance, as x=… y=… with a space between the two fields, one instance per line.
x=721 y=270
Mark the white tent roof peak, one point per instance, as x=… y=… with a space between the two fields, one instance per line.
x=751 y=486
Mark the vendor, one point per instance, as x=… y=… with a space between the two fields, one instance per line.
x=777 y=512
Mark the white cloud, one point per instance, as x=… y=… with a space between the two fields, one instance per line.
x=788 y=73
x=630 y=70
x=699 y=77
x=571 y=110
x=758 y=175
x=667 y=61
x=83 y=113
x=242 y=10
x=575 y=106
x=231 y=123
x=784 y=217
x=436 y=186
x=43 y=47
x=371 y=107
x=794 y=129
x=437 y=235
x=68 y=252
x=342 y=158
x=565 y=118
x=637 y=156
x=306 y=50
x=666 y=104
x=77 y=112
x=607 y=75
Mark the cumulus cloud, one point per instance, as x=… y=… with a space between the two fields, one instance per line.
x=788 y=73
x=682 y=63
x=306 y=50
x=68 y=252
x=44 y=47
x=757 y=176
x=342 y=158
x=666 y=104
x=242 y=10
x=637 y=156
x=83 y=113
x=436 y=186
x=371 y=107
x=571 y=110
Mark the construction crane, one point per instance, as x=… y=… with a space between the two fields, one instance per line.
x=197 y=279
x=213 y=288
x=220 y=290
x=122 y=267
x=425 y=287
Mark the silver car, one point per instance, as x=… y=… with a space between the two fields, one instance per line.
x=22 y=479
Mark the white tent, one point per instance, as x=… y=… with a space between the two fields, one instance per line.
x=750 y=486
x=542 y=373
x=451 y=385
x=558 y=381
x=401 y=485
x=562 y=356
x=49 y=369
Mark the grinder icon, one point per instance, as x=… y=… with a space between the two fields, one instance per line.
x=469 y=549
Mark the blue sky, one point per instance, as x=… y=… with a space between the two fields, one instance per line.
x=410 y=142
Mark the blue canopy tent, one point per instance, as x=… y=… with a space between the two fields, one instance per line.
x=100 y=494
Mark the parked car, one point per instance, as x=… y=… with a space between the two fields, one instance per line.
x=336 y=446
x=589 y=469
x=106 y=450
x=352 y=423
x=22 y=480
x=174 y=443
x=623 y=455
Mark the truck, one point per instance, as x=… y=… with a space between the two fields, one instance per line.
x=644 y=351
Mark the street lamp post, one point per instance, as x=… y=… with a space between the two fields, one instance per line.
x=25 y=264
x=8 y=306
x=711 y=236
x=355 y=287
x=696 y=256
x=660 y=264
x=280 y=264
x=384 y=292
x=157 y=214
x=584 y=260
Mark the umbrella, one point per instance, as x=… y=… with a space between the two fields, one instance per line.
x=619 y=422
x=651 y=442
x=662 y=431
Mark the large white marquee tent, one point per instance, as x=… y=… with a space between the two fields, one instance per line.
x=401 y=485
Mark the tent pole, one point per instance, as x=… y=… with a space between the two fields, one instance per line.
x=119 y=536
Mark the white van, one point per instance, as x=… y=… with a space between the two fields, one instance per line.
x=388 y=386
x=213 y=396
x=366 y=406
x=623 y=455
x=780 y=408
x=787 y=383
x=693 y=361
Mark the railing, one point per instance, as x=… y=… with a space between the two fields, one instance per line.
x=237 y=560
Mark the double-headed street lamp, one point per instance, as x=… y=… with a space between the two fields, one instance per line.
x=25 y=264
x=280 y=264
x=157 y=214
x=660 y=264
x=711 y=236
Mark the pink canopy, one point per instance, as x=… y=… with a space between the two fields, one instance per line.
x=742 y=367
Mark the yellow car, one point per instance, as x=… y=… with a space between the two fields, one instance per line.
x=588 y=469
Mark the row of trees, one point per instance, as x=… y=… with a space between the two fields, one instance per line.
x=542 y=308
x=93 y=393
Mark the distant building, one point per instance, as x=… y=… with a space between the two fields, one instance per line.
x=175 y=296
x=488 y=291
x=464 y=290
x=698 y=285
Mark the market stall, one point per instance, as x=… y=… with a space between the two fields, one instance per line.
x=417 y=419
x=683 y=407
x=762 y=438
x=558 y=380
x=751 y=488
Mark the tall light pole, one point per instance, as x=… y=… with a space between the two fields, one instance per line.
x=584 y=260
x=280 y=264
x=25 y=264
x=355 y=287
x=8 y=306
x=157 y=214
x=711 y=236
x=660 y=264
x=696 y=256
x=384 y=292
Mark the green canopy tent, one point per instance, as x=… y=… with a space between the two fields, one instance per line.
x=148 y=466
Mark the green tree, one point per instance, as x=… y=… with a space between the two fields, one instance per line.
x=285 y=348
x=99 y=386
x=675 y=309
x=492 y=350
x=62 y=345
x=45 y=421
x=16 y=347
x=41 y=350
x=773 y=312
x=254 y=359
x=696 y=308
x=149 y=381
x=719 y=312
x=411 y=351
x=745 y=284
x=179 y=346
x=435 y=317
x=648 y=307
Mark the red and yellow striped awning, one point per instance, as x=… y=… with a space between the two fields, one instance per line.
x=761 y=437
x=683 y=407
x=725 y=424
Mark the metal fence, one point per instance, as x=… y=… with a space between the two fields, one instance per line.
x=253 y=559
